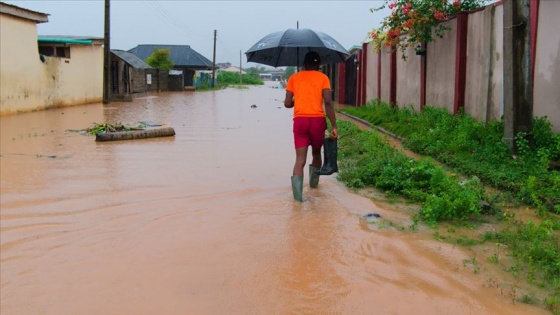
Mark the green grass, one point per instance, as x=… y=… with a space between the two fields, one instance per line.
x=477 y=152
x=227 y=79
x=475 y=149
x=232 y=78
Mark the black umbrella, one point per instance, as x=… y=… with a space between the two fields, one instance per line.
x=288 y=48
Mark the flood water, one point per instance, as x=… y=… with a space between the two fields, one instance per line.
x=204 y=222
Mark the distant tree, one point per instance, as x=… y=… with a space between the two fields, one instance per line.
x=253 y=71
x=288 y=73
x=160 y=59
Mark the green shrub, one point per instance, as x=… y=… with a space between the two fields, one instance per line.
x=232 y=78
x=369 y=160
x=477 y=149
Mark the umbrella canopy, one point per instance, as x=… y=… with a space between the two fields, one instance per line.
x=288 y=48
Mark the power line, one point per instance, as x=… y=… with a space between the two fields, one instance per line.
x=165 y=16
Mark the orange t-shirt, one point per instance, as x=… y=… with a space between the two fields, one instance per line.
x=308 y=86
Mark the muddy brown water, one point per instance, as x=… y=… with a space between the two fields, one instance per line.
x=204 y=222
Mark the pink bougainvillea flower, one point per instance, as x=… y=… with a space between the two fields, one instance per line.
x=406 y=8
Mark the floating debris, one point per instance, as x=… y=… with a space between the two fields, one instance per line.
x=97 y=128
x=372 y=217
x=150 y=123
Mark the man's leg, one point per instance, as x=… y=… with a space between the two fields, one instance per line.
x=315 y=165
x=301 y=158
x=297 y=178
x=317 y=158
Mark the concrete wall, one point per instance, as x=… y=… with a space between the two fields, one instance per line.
x=484 y=79
x=408 y=79
x=496 y=103
x=385 y=74
x=479 y=58
x=546 y=93
x=78 y=80
x=20 y=66
x=138 y=78
x=28 y=84
x=160 y=80
x=372 y=66
x=483 y=71
x=440 y=72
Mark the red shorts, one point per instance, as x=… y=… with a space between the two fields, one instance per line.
x=309 y=131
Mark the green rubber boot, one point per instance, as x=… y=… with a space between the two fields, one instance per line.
x=313 y=178
x=297 y=187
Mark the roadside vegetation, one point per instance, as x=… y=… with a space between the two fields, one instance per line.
x=467 y=176
x=231 y=79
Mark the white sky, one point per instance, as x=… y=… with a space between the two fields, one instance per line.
x=239 y=24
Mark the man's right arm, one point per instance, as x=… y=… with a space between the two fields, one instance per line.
x=329 y=109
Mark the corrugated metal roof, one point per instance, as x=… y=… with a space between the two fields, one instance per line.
x=65 y=41
x=70 y=38
x=131 y=59
x=181 y=55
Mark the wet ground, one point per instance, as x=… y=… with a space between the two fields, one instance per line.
x=204 y=222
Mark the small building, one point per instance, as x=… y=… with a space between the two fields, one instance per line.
x=231 y=69
x=265 y=76
x=130 y=75
x=39 y=72
x=184 y=58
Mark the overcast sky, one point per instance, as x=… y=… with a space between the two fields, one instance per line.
x=239 y=24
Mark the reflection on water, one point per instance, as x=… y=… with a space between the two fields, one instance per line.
x=204 y=222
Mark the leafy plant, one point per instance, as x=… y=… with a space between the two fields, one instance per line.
x=231 y=78
x=109 y=127
x=369 y=160
x=414 y=22
x=160 y=59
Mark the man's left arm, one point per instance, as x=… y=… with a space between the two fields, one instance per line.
x=289 y=100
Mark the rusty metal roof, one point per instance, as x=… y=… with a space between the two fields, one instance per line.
x=183 y=56
x=131 y=59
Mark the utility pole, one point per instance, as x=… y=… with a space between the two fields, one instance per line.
x=107 y=56
x=240 y=69
x=518 y=81
x=214 y=60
